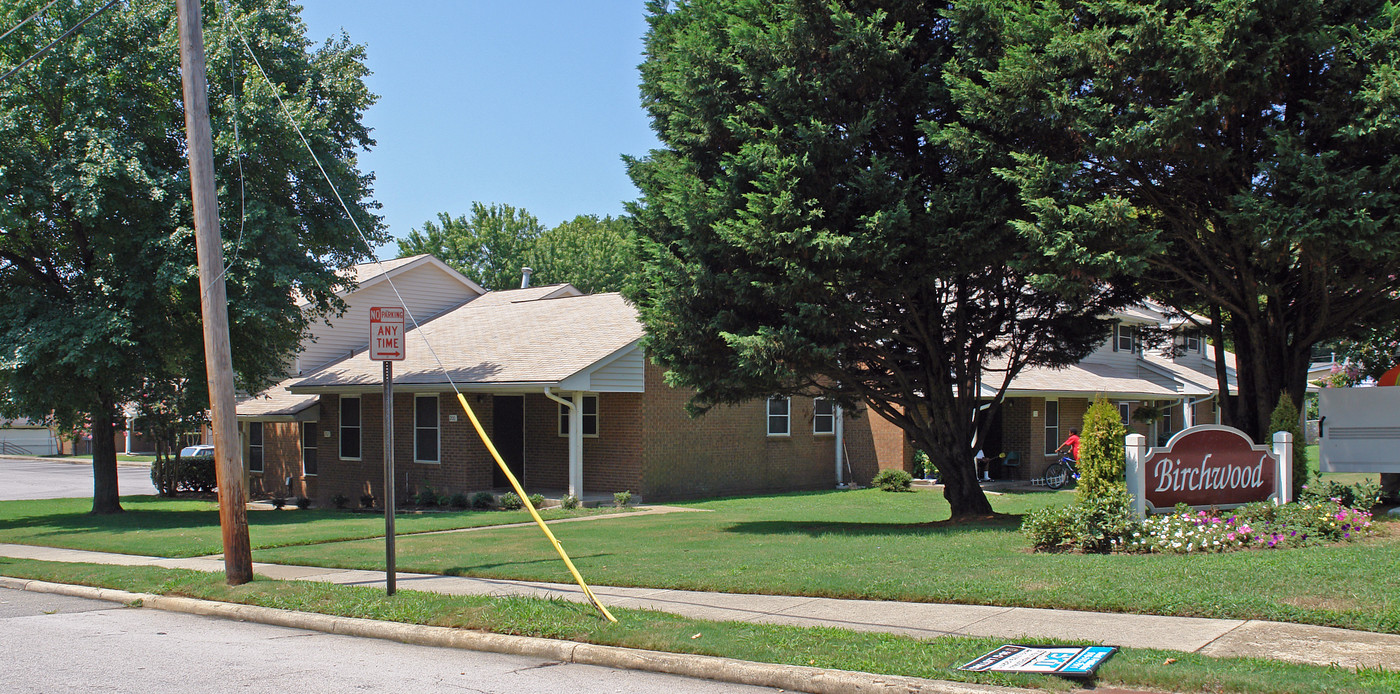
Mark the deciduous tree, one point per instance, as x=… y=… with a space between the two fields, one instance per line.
x=489 y=246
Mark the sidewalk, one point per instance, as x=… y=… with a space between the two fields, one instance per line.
x=1212 y=637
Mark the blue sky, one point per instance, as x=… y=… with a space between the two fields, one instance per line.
x=530 y=104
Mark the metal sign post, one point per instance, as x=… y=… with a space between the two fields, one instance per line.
x=386 y=344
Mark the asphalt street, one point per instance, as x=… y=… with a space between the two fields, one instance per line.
x=56 y=643
x=55 y=478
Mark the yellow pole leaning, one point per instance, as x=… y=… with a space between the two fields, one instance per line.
x=531 y=507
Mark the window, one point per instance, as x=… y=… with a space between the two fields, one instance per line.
x=1125 y=413
x=1166 y=426
x=349 y=427
x=1125 y=338
x=823 y=416
x=309 y=431
x=1052 y=426
x=778 y=409
x=590 y=417
x=255 y=446
x=1193 y=343
x=425 y=428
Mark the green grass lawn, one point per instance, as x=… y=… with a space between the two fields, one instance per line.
x=121 y=458
x=190 y=528
x=819 y=647
x=877 y=545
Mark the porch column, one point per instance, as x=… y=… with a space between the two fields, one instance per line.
x=576 y=447
x=130 y=431
x=1188 y=413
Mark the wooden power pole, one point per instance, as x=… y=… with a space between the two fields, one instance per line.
x=218 y=357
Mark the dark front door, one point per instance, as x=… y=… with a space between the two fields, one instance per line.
x=508 y=434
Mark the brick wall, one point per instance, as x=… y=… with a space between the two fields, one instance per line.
x=612 y=461
x=861 y=457
x=892 y=448
x=281 y=459
x=727 y=450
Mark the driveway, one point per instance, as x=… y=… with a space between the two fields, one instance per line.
x=57 y=478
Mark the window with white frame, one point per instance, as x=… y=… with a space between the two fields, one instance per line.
x=1052 y=426
x=1166 y=425
x=309 y=432
x=1125 y=412
x=255 y=446
x=589 y=417
x=350 y=427
x=779 y=413
x=427 y=433
x=1193 y=343
x=823 y=416
x=1126 y=338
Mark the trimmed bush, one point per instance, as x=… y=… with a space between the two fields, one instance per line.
x=1285 y=418
x=367 y=501
x=426 y=498
x=893 y=480
x=278 y=502
x=569 y=502
x=458 y=500
x=483 y=500
x=340 y=501
x=165 y=476
x=621 y=499
x=198 y=474
x=1102 y=456
x=1097 y=525
x=537 y=500
x=510 y=501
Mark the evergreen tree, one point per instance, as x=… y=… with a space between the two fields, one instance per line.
x=1285 y=418
x=1102 y=452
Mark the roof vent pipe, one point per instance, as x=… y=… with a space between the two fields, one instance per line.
x=525 y=277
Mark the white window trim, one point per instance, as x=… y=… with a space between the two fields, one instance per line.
x=1125 y=412
x=359 y=427
x=769 y=417
x=815 y=416
x=438 y=428
x=302 y=446
x=597 y=419
x=262 y=448
x=1046 y=426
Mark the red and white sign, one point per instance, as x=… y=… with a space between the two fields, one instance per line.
x=1209 y=466
x=386 y=340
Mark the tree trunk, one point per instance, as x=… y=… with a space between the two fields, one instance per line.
x=946 y=437
x=105 y=496
x=1268 y=364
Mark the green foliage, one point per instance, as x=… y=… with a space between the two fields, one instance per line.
x=303 y=502
x=1285 y=418
x=483 y=500
x=1363 y=495
x=1098 y=524
x=444 y=500
x=165 y=475
x=489 y=246
x=458 y=500
x=536 y=500
x=924 y=464
x=594 y=255
x=366 y=501
x=198 y=474
x=621 y=499
x=815 y=209
x=1131 y=154
x=426 y=497
x=278 y=501
x=892 y=480
x=510 y=501
x=1102 y=455
x=340 y=501
x=569 y=502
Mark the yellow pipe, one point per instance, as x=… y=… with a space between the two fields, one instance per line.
x=533 y=513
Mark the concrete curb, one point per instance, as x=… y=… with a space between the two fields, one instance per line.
x=788 y=677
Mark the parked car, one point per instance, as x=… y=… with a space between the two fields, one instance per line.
x=200 y=451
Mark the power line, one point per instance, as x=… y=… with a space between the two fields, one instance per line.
x=26 y=21
x=54 y=42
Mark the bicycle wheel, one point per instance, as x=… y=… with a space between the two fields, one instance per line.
x=1056 y=475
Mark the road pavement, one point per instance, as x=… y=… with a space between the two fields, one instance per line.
x=59 y=478
x=55 y=643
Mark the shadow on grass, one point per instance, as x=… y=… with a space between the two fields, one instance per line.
x=473 y=570
x=998 y=521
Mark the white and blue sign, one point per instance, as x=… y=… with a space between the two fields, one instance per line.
x=1069 y=661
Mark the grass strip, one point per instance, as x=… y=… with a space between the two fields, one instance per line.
x=819 y=647
x=160 y=527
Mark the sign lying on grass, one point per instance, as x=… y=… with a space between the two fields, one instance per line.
x=1209 y=466
x=1069 y=661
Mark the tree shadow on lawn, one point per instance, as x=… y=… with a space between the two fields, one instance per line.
x=995 y=521
x=474 y=569
x=145 y=520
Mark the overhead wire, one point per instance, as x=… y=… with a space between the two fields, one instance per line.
x=51 y=44
x=42 y=10
x=461 y=399
x=237 y=153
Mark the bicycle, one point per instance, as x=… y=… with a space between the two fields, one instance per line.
x=1061 y=472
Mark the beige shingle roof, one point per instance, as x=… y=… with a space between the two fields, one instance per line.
x=505 y=337
x=1101 y=378
x=276 y=401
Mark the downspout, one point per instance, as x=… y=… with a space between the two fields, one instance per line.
x=575 y=444
x=840 y=445
x=1188 y=409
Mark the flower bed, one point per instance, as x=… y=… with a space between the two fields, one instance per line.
x=1259 y=526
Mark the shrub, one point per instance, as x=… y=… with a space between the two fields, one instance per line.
x=1101 y=452
x=1100 y=524
x=569 y=502
x=367 y=501
x=537 y=500
x=510 y=501
x=483 y=500
x=1362 y=495
x=458 y=500
x=426 y=498
x=165 y=476
x=621 y=499
x=1285 y=418
x=923 y=464
x=279 y=501
x=893 y=480
x=303 y=502
x=340 y=501
x=197 y=474
x=444 y=500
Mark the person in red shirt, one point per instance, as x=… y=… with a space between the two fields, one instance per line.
x=1072 y=443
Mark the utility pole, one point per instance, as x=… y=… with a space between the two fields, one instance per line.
x=218 y=357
